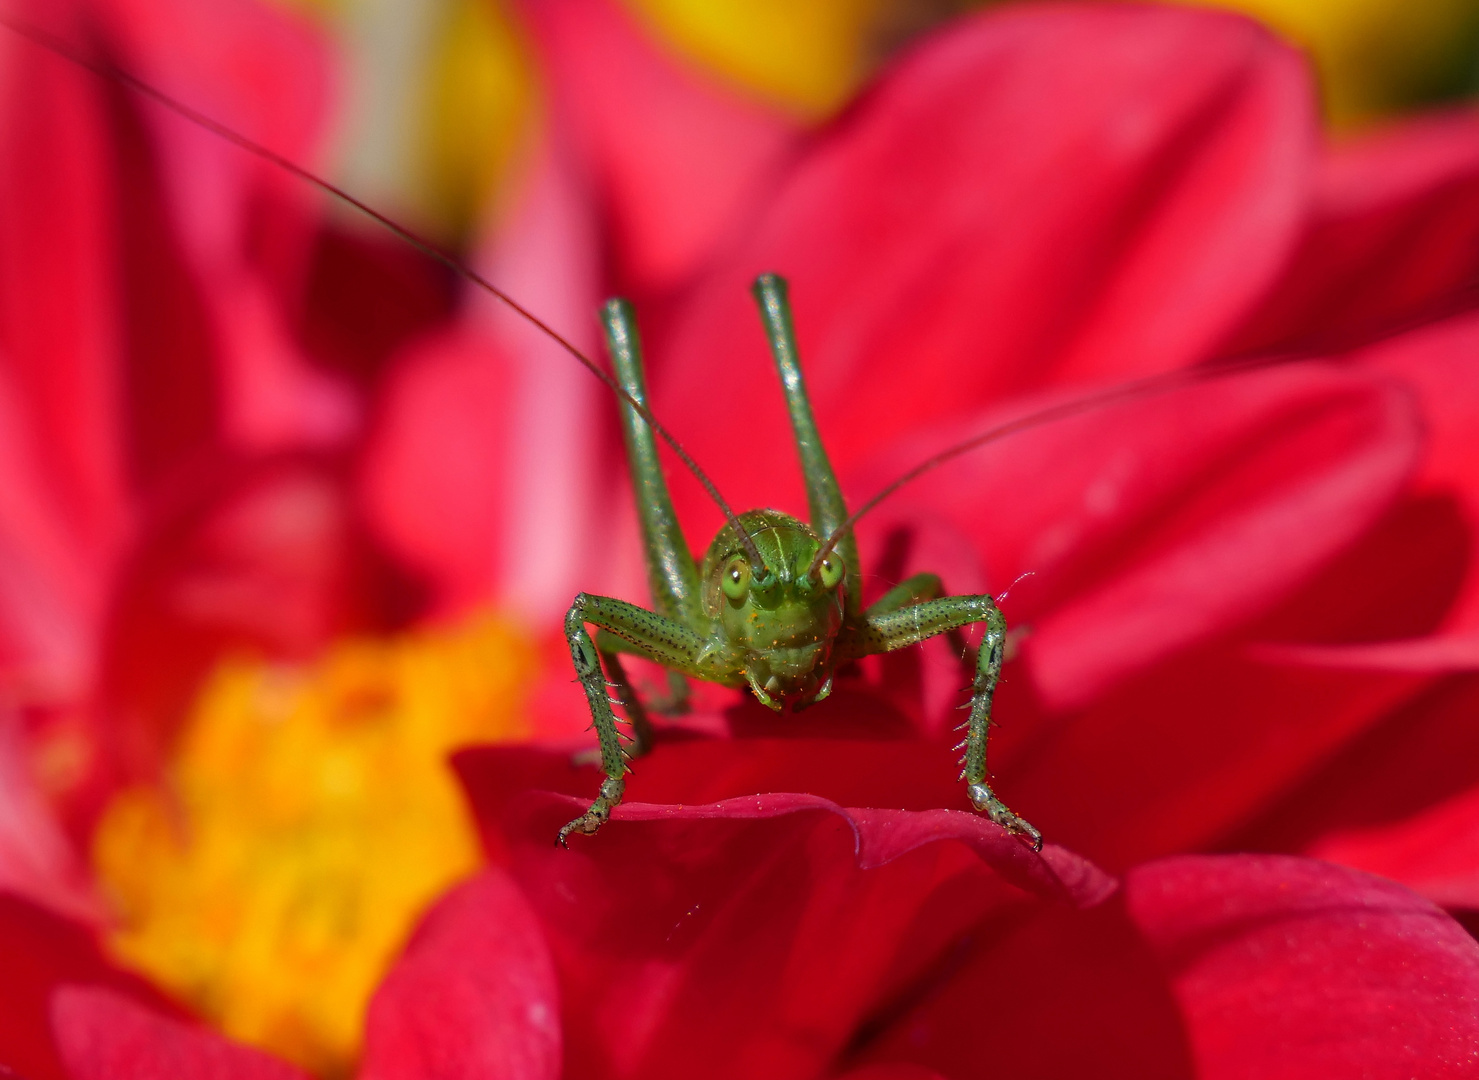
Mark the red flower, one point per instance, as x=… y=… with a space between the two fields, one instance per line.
x=1240 y=591
x=787 y=936
x=1029 y=202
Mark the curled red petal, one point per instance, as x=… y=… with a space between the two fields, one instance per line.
x=754 y=927
x=105 y=1035
x=473 y=996
x=881 y=836
x=1288 y=967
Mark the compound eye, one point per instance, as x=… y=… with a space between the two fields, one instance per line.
x=734 y=579
x=832 y=570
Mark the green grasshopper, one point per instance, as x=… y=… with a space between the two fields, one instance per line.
x=776 y=604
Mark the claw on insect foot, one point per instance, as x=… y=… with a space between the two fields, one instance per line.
x=985 y=800
x=599 y=813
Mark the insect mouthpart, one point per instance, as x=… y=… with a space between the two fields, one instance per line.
x=797 y=680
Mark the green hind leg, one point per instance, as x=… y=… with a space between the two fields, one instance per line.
x=827 y=508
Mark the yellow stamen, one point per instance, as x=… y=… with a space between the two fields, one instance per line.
x=307 y=818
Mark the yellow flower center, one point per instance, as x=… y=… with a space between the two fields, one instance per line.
x=306 y=820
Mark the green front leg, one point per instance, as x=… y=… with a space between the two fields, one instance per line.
x=896 y=627
x=648 y=634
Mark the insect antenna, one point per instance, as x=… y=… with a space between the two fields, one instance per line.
x=106 y=70
x=1148 y=386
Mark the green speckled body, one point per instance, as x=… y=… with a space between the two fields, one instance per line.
x=775 y=605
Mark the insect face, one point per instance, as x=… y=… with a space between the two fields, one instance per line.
x=782 y=618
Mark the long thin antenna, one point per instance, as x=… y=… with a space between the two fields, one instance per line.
x=1136 y=388
x=103 y=69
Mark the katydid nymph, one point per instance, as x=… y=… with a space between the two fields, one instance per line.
x=775 y=604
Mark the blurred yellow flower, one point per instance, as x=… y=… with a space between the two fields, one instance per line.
x=807 y=56
x=306 y=820
x=1376 y=57
x=439 y=93
x=435 y=96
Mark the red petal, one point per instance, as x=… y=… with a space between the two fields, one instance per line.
x=1292 y=968
x=881 y=836
x=261 y=555
x=1420 y=755
x=1039 y=193
x=489 y=427
x=1436 y=572
x=37 y=859
x=1209 y=967
x=1178 y=757
x=432 y=482
x=1053 y=993
x=42 y=951
x=263 y=72
x=724 y=927
x=1434 y=852
x=1392 y=234
x=103 y=1035
x=708 y=774
x=1438 y=364
x=674 y=154
x=62 y=483
x=473 y=996
x=1155 y=525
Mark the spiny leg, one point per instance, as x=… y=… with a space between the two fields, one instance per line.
x=613 y=757
x=899 y=626
x=675 y=702
x=665 y=640
x=631 y=704
x=978 y=726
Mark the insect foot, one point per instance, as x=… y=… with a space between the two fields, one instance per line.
x=598 y=814
x=985 y=800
